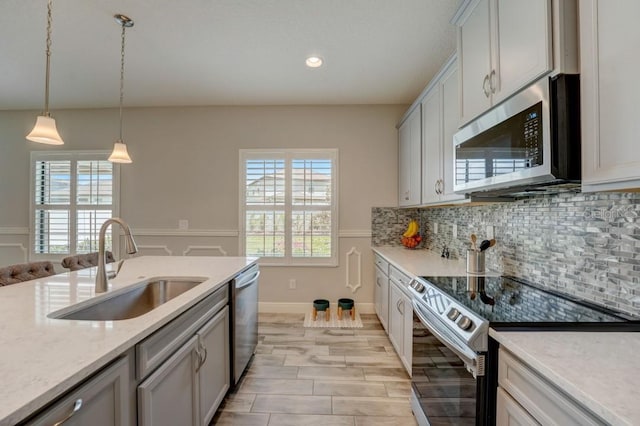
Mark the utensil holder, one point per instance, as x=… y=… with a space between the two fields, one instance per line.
x=475 y=261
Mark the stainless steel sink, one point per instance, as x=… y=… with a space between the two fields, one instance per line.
x=132 y=302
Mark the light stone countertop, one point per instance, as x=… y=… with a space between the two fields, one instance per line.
x=422 y=262
x=599 y=370
x=41 y=358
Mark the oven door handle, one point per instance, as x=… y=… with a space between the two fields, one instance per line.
x=470 y=358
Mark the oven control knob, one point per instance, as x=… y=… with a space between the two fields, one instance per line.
x=465 y=323
x=417 y=286
x=453 y=314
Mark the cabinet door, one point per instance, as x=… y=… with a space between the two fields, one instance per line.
x=101 y=401
x=431 y=141
x=510 y=413
x=383 y=281
x=407 y=341
x=378 y=295
x=475 y=61
x=450 y=123
x=409 y=146
x=169 y=396
x=523 y=48
x=214 y=373
x=396 y=319
x=609 y=32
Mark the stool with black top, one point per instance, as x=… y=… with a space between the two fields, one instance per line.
x=321 y=305
x=346 y=305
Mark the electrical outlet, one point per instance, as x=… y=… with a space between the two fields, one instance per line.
x=183 y=224
x=490 y=232
x=292 y=284
x=454 y=231
x=435 y=227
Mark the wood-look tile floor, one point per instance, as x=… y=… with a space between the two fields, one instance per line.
x=321 y=377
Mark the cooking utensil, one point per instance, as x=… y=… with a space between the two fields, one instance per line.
x=473 y=241
x=485 y=244
x=492 y=242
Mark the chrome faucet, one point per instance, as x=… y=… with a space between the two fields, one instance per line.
x=130 y=245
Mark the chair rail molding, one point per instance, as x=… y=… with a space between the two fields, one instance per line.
x=164 y=248
x=354 y=255
x=14 y=231
x=189 y=249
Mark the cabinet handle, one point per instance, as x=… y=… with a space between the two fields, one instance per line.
x=204 y=358
x=378 y=281
x=484 y=86
x=435 y=187
x=400 y=302
x=76 y=407
x=492 y=85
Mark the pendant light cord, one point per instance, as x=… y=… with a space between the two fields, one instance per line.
x=46 y=80
x=121 y=79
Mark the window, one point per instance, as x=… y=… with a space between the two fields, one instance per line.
x=73 y=194
x=288 y=206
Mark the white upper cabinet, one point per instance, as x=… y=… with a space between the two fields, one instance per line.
x=409 y=149
x=440 y=118
x=503 y=45
x=609 y=41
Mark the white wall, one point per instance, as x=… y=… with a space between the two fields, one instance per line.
x=186 y=167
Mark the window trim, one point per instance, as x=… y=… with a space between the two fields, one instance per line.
x=288 y=154
x=75 y=155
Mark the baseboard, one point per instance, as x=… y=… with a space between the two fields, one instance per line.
x=301 y=308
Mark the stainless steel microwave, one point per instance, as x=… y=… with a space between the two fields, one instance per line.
x=531 y=140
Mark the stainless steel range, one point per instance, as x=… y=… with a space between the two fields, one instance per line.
x=454 y=368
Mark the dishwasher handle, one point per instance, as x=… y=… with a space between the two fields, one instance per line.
x=246 y=280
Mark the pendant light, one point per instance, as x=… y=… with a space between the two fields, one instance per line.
x=45 y=130
x=120 y=154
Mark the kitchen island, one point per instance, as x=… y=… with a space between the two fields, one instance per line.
x=42 y=358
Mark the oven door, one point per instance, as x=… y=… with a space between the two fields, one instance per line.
x=443 y=390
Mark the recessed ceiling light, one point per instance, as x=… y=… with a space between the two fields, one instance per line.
x=314 y=61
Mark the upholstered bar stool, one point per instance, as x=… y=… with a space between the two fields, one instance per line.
x=82 y=261
x=323 y=306
x=346 y=305
x=14 y=274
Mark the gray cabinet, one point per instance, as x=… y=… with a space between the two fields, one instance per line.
x=214 y=373
x=189 y=366
x=103 y=400
x=526 y=397
x=609 y=33
x=409 y=151
x=400 y=317
x=382 y=291
x=169 y=396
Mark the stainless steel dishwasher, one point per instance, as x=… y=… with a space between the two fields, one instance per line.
x=244 y=320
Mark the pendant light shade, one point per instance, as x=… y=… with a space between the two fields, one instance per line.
x=120 y=153
x=45 y=130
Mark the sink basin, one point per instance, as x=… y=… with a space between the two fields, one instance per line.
x=132 y=302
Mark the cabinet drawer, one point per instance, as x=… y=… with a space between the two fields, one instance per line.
x=382 y=264
x=544 y=401
x=102 y=400
x=399 y=277
x=160 y=345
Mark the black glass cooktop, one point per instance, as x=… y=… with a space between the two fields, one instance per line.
x=513 y=302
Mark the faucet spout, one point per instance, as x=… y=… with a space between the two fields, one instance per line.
x=130 y=246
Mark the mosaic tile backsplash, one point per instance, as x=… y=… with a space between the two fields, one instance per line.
x=585 y=245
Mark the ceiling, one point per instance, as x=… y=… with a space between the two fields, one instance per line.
x=223 y=52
